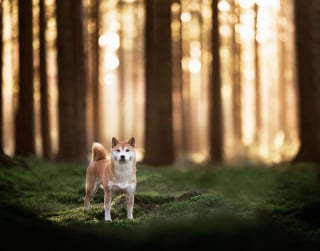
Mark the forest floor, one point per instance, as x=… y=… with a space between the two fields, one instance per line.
x=180 y=207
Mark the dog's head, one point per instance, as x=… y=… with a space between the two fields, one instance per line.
x=123 y=151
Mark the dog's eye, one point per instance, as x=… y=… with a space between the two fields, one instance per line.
x=127 y=150
x=118 y=150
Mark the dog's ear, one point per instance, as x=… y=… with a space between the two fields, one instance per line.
x=132 y=142
x=114 y=141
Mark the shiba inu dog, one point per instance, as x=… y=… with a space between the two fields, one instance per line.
x=116 y=172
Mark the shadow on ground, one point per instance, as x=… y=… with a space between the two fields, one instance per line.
x=22 y=228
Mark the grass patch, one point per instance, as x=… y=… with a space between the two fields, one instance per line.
x=251 y=206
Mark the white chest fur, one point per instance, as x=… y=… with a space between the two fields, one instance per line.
x=123 y=178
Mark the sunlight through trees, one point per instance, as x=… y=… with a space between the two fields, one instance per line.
x=259 y=114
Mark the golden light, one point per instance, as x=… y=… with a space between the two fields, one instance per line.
x=257 y=76
x=206 y=13
x=122 y=71
x=185 y=17
x=185 y=63
x=110 y=41
x=223 y=6
x=175 y=27
x=246 y=3
x=175 y=7
x=275 y=4
x=195 y=50
x=225 y=31
x=194 y=66
x=140 y=154
x=111 y=61
x=245 y=31
x=198 y=157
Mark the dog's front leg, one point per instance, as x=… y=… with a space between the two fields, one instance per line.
x=107 y=204
x=130 y=202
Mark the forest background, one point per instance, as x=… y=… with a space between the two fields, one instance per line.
x=161 y=111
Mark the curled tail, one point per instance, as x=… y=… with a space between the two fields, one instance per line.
x=98 y=152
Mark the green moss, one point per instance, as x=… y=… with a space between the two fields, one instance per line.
x=219 y=201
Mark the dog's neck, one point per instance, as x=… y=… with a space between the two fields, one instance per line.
x=123 y=172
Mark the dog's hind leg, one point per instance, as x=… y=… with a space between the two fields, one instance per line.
x=91 y=188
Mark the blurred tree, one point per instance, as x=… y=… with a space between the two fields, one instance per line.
x=159 y=122
x=72 y=81
x=1 y=85
x=179 y=106
x=4 y=158
x=307 y=21
x=45 y=119
x=257 y=84
x=236 y=75
x=93 y=70
x=24 y=124
x=216 y=128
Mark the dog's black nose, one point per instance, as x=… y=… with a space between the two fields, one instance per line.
x=122 y=157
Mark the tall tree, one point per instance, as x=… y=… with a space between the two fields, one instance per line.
x=4 y=158
x=45 y=119
x=216 y=126
x=236 y=72
x=159 y=123
x=24 y=124
x=179 y=107
x=1 y=48
x=307 y=21
x=93 y=94
x=257 y=80
x=72 y=81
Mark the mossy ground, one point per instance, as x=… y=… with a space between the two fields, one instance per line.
x=256 y=207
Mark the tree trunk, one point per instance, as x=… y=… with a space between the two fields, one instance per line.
x=1 y=85
x=180 y=132
x=95 y=74
x=24 y=125
x=45 y=119
x=216 y=128
x=307 y=21
x=94 y=121
x=159 y=123
x=236 y=87
x=257 y=81
x=72 y=81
